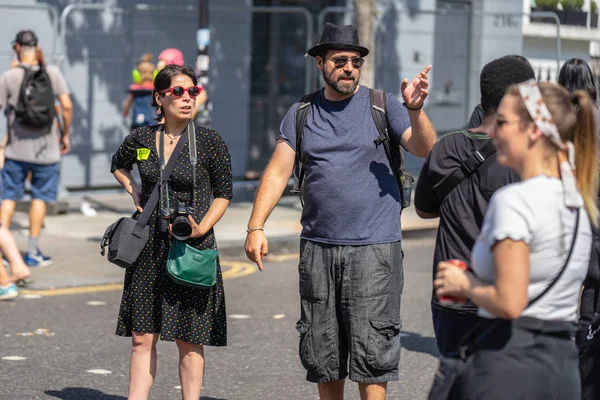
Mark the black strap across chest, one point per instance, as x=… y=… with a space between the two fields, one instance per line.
x=154 y=197
x=468 y=167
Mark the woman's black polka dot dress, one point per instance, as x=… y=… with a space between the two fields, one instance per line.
x=151 y=302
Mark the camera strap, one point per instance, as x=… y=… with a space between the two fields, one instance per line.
x=165 y=171
x=193 y=158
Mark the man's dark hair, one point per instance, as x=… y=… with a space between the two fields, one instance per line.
x=165 y=76
x=576 y=74
x=26 y=37
x=497 y=76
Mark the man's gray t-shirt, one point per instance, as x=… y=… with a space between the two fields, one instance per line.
x=26 y=144
x=350 y=194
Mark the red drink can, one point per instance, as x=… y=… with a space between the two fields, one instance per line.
x=449 y=300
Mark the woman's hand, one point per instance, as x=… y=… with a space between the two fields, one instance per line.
x=451 y=281
x=136 y=195
x=197 y=230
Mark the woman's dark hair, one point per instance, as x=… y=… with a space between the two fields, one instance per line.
x=576 y=74
x=163 y=81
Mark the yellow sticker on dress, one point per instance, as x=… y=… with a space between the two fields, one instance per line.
x=143 y=154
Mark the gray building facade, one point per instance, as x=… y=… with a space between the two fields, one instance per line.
x=257 y=63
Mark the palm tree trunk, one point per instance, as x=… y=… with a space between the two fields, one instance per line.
x=365 y=11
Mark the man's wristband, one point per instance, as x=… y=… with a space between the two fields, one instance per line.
x=412 y=109
x=254 y=229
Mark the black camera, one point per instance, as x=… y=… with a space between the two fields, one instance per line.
x=177 y=215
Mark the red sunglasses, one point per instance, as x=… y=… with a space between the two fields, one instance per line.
x=178 y=91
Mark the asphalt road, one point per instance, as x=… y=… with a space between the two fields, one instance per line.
x=64 y=347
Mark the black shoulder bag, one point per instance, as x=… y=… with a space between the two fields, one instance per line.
x=452 y=368
x=589 y=357
x=127 y=237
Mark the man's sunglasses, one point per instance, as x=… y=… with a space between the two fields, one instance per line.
x=342 y=61
x=178 y=91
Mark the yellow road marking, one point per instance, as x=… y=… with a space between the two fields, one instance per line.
x=236 y=269
x=282 y=257
x=74 y=290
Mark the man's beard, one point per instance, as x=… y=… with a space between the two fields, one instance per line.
x=339 y=86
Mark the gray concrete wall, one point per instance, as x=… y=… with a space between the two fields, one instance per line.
x=229 y=76
x=497 y=32
x=100 y=50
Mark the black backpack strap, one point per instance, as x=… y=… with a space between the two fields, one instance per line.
x=301 y=116
x=390 y=144
x=468 y=167
x=564 y=267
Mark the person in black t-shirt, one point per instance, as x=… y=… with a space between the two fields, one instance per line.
x=477 y=114
x=462 y=210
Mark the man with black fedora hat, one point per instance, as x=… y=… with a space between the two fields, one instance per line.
x=35 y=142
x=351 y=275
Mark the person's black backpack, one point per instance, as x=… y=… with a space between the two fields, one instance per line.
x=35 y=108
x=390 y=145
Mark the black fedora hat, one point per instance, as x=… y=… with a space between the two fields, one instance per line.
x=338 y=37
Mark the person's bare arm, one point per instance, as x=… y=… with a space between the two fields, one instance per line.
x=213 y=215
x=67 y=118
x=125 y=179
x=66 y=107
x=508 y=297
x=270 y=189
x=421 y=136
x=426 y=215
x=127 y=104
x=3 y=143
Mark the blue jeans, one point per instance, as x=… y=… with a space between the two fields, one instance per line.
x=350 y=311
x=44 y=180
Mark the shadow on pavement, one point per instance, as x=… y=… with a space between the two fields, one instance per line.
x=420 y=344
x=93 y=394
x=72 y=393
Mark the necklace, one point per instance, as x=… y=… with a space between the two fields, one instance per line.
x=171 y=137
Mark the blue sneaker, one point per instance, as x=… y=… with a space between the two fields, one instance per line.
x=37 y=260
x=8 y=292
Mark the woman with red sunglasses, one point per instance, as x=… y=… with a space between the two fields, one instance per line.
x=154 y=307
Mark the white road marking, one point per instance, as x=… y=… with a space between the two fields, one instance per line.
x=44 y=332
x=279 y=316
x=14 y=358
x=239 y=316
x=31 y=296
x=177 y=387
x=98 y=371
x=94 y=303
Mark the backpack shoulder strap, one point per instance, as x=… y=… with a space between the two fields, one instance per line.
x=378 y=111
x=468 y=167
x=301 y=117
x=390 y=145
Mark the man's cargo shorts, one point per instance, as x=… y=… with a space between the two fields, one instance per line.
x=350 y=311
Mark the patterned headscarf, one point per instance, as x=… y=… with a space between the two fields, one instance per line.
x=538 y=110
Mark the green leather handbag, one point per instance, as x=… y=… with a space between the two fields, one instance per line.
x=189 y=266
